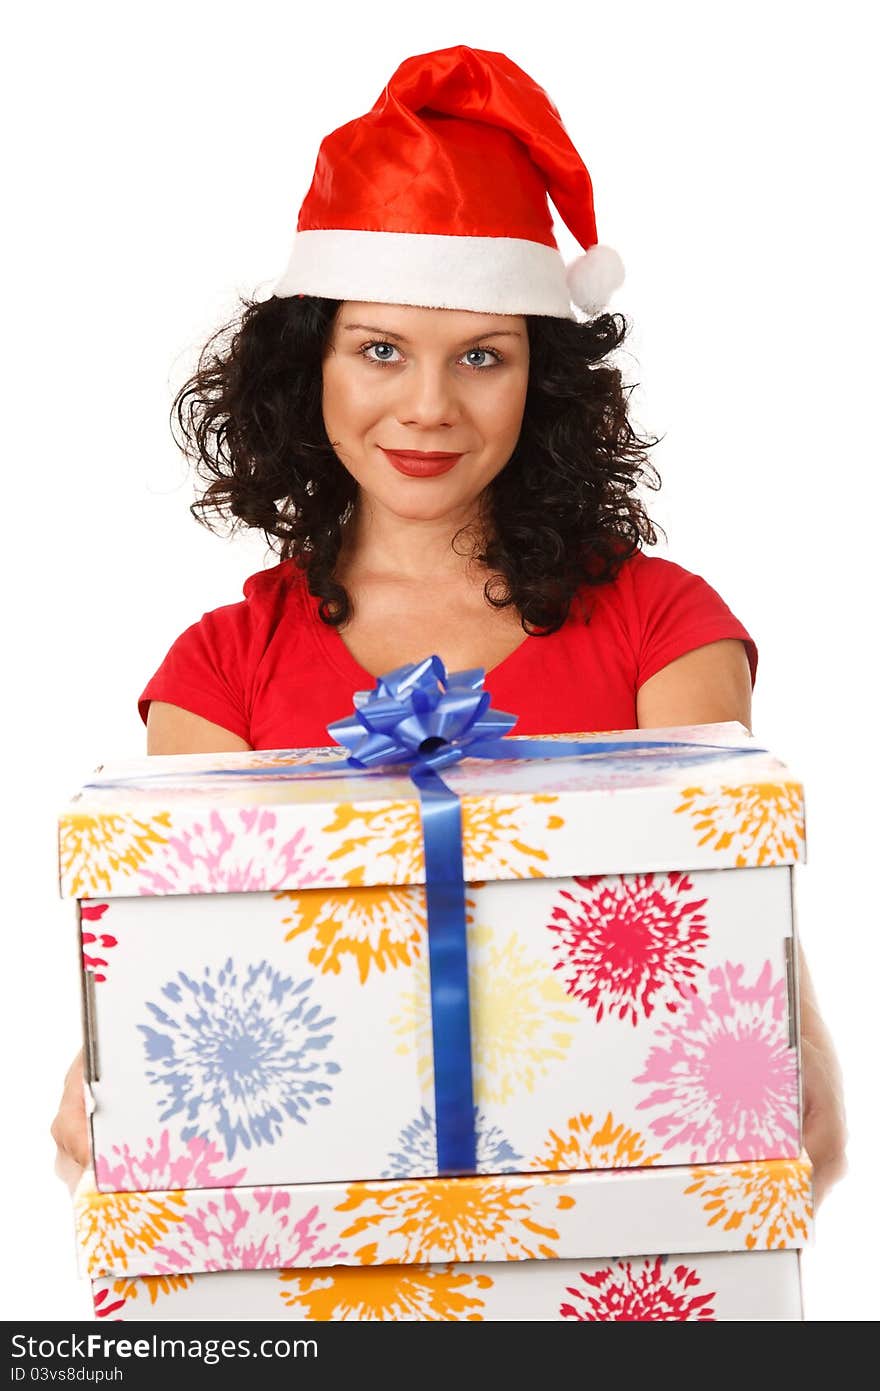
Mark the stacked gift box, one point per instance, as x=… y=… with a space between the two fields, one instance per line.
x=287 y=1120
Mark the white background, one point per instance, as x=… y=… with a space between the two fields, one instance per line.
x=157 y=158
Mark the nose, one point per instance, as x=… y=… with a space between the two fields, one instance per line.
x=428 y=397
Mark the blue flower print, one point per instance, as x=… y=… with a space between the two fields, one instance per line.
x=238 y=1052
x=417 y=1155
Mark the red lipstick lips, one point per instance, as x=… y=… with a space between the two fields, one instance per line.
x=417 y=463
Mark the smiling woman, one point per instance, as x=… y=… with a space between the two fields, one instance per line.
x=425 y=421
x=540 y=503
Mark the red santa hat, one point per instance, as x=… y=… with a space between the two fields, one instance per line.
x=438 y=197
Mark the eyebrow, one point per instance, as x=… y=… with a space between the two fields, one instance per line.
x=399 y=338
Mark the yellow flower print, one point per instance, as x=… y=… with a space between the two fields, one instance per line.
x=521 y=1018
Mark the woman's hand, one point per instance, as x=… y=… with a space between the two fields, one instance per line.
x=70 y=1129
x=825 y=1132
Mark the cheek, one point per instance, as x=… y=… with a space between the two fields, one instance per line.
x=348 y=404
x=504 y=412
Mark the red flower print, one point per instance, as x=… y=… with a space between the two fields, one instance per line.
x=630 y=940
x=105 y=1304
x=95 y=941
x=647 y=1293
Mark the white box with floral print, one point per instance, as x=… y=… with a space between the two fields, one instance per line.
x=255 y=964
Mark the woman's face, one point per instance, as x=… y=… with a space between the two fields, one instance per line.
x=399 y=377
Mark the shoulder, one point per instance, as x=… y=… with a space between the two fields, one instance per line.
x=265 y=586
x=645 y=581
x=646 y=574
x=664 y=610
x=211 y=668
x=266 y=594
x=233 y=636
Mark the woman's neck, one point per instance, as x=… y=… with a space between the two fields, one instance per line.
x=380 y=544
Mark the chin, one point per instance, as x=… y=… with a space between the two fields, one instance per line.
x=421 y=500
x=424 y=510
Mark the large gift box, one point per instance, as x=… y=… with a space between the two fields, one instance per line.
x=689 y=1243
x=264 y=1003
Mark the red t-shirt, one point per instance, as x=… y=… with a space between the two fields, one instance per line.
x=270 y=671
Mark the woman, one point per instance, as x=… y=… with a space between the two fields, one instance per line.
x=435 y=444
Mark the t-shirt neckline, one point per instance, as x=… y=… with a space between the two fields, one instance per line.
x=346 y=664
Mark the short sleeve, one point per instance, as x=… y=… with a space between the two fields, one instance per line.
x=206 y=670
x=678 y=611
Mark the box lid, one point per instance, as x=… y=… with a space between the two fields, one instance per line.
x=687 y=797
x=757 y=1205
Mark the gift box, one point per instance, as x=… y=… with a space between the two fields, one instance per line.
x=265 y=1004
x=525 y=1246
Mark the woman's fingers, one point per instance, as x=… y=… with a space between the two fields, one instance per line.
x=70 y=1129
x=825 y=1129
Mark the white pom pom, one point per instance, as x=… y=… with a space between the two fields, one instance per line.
x=593 y=278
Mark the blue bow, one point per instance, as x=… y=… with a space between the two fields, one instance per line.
x=417 y=714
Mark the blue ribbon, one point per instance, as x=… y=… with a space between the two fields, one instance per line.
x=419 y=716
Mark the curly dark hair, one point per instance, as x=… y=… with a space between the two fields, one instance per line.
x=560 y=514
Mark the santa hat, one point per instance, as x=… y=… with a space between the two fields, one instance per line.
x=438 y=197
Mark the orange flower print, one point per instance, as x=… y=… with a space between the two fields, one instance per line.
x=771 y=1203
x=763 y=820
x=386 y=1293
x=585 y=1144
x=423 y=1222
x=493 y=836
x=113 y=1228
x=376 y=928
x=96 y=849
x=152 y=1286
x=388 y=836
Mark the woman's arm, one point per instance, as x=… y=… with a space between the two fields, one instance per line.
x=710 y=685
x=172 y=730
x=169 y=730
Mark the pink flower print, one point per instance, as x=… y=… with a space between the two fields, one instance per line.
x=630 y=941
x=191 y=1164
x=238 y=852
x=633 y=1292
x=724 y=1074
x=247 y=1229
x=95 y=941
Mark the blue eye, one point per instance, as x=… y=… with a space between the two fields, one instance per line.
x=389 y=346
x=386 y=359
